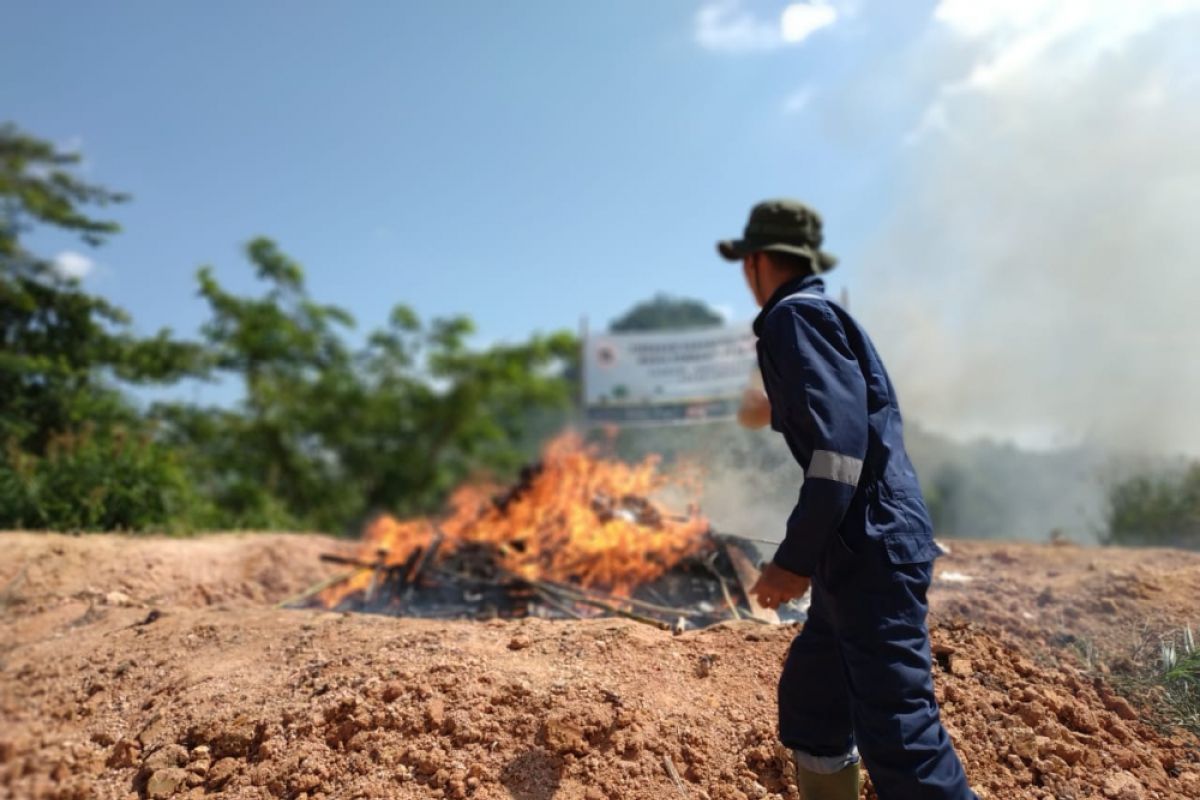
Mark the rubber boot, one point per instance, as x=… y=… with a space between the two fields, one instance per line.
x=841 y=785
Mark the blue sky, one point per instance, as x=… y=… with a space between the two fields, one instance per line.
x=533 y=162
x=525 y=163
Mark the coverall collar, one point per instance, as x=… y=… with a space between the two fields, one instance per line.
x=805 y=283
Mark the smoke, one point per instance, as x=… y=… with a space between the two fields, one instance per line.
x=977 y=489
x=751 y=487
x=1034 y=281
x=1038 y=274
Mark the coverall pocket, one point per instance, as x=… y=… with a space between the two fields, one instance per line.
x=838 y=563
x=909 y=547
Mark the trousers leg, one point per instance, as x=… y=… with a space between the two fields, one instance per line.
x=884 y=644
x=814 y=703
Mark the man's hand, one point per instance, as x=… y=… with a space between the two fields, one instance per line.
x=776 y=585
x=755 y=411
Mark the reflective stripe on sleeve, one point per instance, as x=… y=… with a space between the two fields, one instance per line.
x=835 y=467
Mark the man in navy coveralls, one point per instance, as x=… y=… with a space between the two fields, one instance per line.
x=857 y=678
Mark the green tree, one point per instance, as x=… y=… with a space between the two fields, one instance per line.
x=63 y=353
x=268 y=462
x=1160 y=510
x=663 y=312
x=697 y=442
x=446 y=411
x=327 y=432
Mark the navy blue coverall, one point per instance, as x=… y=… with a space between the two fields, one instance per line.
x=858 y=674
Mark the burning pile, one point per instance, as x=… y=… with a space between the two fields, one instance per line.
x=577 y=535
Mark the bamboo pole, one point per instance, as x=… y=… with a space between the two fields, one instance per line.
x=320 y=586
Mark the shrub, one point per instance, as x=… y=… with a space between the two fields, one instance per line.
x=1161 y=510
x=96 y=479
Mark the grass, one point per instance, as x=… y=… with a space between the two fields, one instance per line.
x=1180 y=678
x=1167 y=686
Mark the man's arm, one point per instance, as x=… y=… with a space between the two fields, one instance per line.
x=820 y=400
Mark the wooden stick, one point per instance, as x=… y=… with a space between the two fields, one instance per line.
x=708 y=562
x=564 y=593
x=427 y=556
x=334 y=558
x=609 y=607
x=318 y=587
x=554 y=602
x=633 y=601
x=463 y=576
x=655 y=595
x=727 y=537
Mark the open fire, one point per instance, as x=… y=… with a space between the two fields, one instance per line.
x=578 y=535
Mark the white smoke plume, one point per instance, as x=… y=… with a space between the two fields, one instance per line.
x=1039 y=275
x=1036 y=275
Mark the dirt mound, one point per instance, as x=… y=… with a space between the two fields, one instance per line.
x=1108 y=600
x=163 y=693
x=47 y=571
x=1030 y=729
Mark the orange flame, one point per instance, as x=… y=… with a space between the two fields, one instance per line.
x=579 y=519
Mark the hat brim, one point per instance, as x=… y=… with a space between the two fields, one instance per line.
x=734 y=249
x=737 y=249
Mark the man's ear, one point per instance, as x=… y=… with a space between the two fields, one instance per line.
x=751 y=264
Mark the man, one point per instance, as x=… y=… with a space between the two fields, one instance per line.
x=857 y=678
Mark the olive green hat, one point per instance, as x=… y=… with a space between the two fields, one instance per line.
x=781 y=226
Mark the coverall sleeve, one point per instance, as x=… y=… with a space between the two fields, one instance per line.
x=819 y=402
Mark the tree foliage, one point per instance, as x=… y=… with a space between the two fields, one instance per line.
x=37 y=187
x=61 y=347
x=76 y=454
x=326 y=432
x=663 y=312
x=329 y=427
x=1160 y=510
x=97 y=477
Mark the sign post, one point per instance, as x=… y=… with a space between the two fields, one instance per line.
x=666 y=377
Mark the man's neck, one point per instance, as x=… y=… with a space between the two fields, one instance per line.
x=791 y=285
x=776 y=281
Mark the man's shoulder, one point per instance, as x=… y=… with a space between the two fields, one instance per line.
x=806 y=296
x=808 y=307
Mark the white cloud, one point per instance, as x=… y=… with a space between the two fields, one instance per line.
x=801 y=20
x=727 y=26
x=70 y=264
x=724 y=26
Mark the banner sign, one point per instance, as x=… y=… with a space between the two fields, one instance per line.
x=667 y=376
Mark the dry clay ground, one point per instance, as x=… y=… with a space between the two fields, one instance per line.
x=161 y=668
